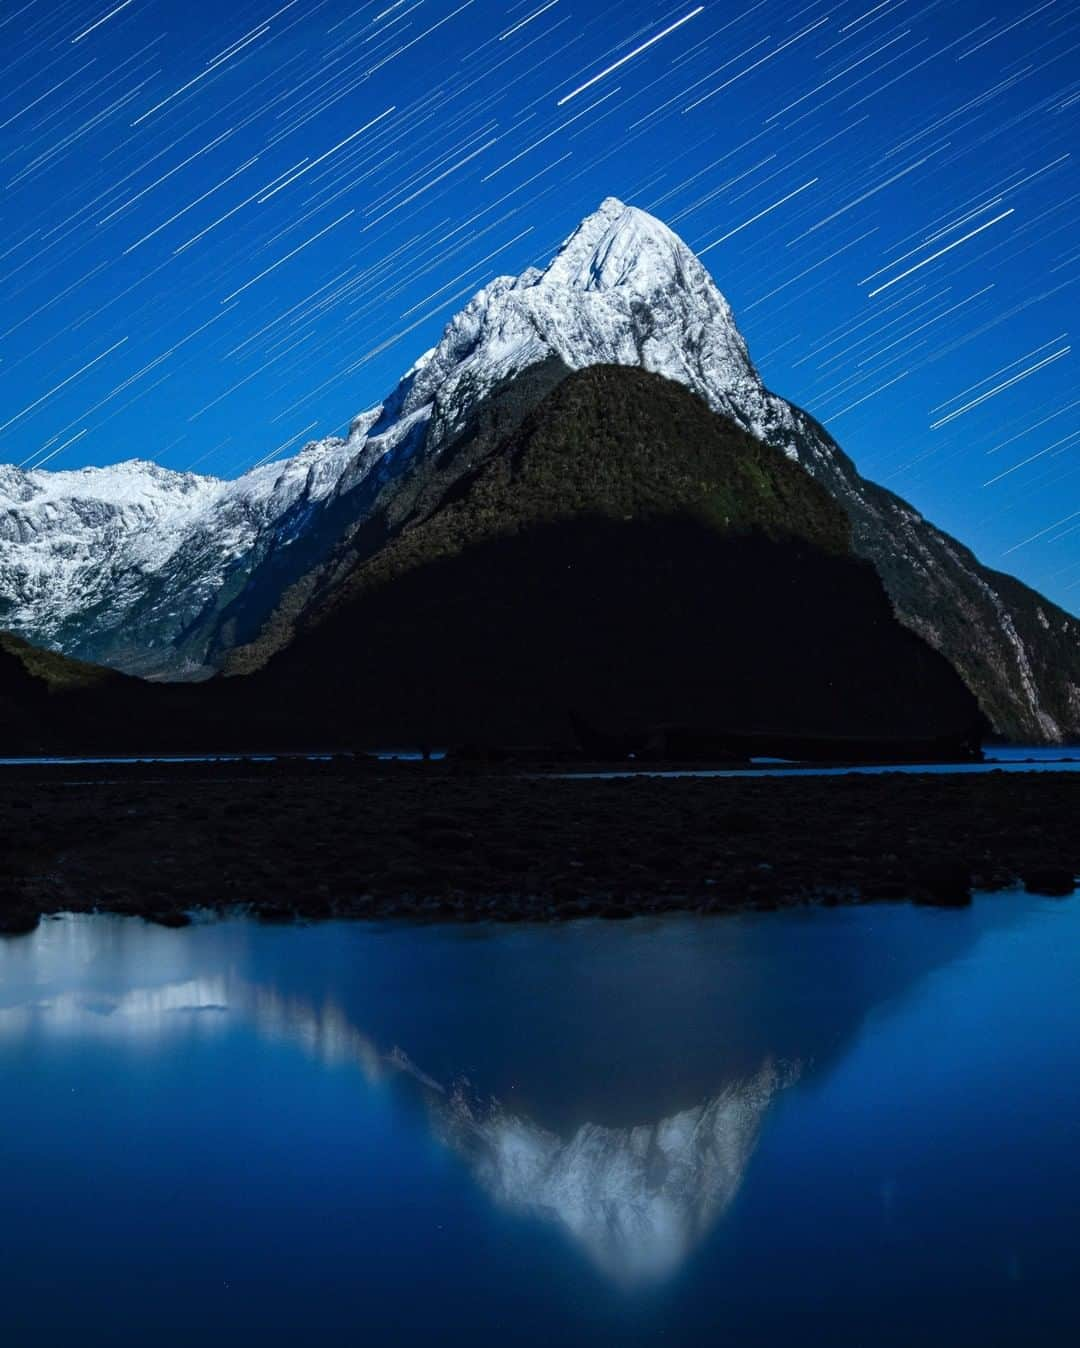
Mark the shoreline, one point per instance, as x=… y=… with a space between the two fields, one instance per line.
x=440 y=841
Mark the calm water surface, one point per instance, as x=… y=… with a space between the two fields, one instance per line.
x=856 y=1126
x=1007 y=758
x=997 y=758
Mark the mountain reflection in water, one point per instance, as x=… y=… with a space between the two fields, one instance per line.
x=611 y=1080
x=636 y=1199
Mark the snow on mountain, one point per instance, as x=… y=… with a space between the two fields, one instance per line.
x=116 y=564
x=71 y=541
x=134 y=565
x=622 y=290
x=81 y=551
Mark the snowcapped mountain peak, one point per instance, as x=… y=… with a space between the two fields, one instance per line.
x=622 y=246
x=623 y=289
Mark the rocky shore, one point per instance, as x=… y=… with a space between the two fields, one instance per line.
x=359 y=838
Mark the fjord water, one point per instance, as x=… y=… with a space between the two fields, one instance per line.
x=847 y=1126
x=996 y=758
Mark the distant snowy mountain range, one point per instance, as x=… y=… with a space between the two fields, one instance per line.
x=151 y=571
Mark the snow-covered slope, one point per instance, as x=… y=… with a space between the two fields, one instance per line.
x=113 y=563
x=623 y=290
x=62 y=534
x=158 y=572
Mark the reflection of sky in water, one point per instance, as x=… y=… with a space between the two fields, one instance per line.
x=697 y=1108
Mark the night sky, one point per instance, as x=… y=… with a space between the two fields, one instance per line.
x=228 y=228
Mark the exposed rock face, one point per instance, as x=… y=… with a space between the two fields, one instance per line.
x=163 y=573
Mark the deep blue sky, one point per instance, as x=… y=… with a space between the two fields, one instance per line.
x=844 y=143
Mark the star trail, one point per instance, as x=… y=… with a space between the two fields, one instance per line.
x=230 y=228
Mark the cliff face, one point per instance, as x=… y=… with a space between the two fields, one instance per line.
x=1018 y=652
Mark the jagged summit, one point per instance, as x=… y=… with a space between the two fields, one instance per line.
x=622 y=290
x=621 y=246
x=618 y=248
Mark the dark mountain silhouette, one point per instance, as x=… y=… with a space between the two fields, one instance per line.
x=48 y=700
x=623 y=553
x=592 y=553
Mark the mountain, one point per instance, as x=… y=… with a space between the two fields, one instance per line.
x=164 y=574
x=622 y=554
x=121 y=565
x=46 y=698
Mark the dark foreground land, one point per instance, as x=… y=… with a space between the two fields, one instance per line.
x=362 y=839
